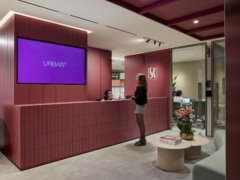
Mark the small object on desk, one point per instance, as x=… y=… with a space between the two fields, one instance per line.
x=169 y=139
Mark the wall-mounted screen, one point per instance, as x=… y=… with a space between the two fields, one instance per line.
x=47 y=63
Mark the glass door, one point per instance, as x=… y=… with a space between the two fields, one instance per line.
x=219 y=85
x=189 y=76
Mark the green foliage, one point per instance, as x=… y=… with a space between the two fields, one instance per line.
x=186 y=128
x=174 y=83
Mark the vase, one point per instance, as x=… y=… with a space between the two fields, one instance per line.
x=186 y=136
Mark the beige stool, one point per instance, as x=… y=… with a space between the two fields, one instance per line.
x=171 y=157
x=195 y=151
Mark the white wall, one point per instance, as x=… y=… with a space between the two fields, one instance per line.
x=218 y=77
x=190 y=74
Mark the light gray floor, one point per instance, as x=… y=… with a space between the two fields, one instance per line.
x=119 y=162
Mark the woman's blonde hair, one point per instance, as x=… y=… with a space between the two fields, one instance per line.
x=143 y=81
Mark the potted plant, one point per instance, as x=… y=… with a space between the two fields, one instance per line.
x=174 y=82
x=185 y=126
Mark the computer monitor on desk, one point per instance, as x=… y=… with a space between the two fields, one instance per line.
x=186 y=100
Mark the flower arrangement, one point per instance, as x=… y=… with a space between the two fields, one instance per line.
x=185 y=126
x=183 y=114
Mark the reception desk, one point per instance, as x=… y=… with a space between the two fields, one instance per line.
x=42 y=133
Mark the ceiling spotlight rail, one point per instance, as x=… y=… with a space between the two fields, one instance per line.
x=156 y=42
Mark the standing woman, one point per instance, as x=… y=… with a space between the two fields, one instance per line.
x=140 y=98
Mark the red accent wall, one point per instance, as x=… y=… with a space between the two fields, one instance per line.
x=37 y=134
x=99 y=73
x=9 y=116
x=232 y=38
x=40 y=30
x=159 y=87
x=7 y=62
x=133 y=65
x=106 y=71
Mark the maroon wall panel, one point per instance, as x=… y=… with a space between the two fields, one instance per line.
x=133 y=65
x=49 y=93
x=21 y=91
x=40 y=30
x=106 y=71
x=232 y=29
x=36 y=93
x=49 y=32
x=99 y=76
x=21 y=94
x=61 y=34
x=22 y=24
x=82 y=39
x=94 y=76
x=72 y=34
x=159 y=86
x=61 y=93
x=7 y=61
x=82 y=93
x=36 y=30
x=9 y=115
x=39 y=134
x=72 y=93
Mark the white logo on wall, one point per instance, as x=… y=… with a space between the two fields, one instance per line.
x=54 y=64
x=153 y=73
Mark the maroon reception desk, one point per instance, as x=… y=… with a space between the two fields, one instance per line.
x=42 y=133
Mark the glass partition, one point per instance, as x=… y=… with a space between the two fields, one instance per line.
x=219 y=85
x=188 y=73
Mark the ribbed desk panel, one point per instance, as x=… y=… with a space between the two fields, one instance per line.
x=58 y=131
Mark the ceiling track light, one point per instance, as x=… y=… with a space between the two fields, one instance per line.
x=155 y=41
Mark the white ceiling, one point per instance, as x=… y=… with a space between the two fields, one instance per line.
x=105 y=13
x=117 y=64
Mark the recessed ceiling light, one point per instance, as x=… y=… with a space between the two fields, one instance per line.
x=195 y=22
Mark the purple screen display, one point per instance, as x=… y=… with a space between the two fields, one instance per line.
x=47 y=63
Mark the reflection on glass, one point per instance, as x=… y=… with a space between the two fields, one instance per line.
x=219 y=85
x=189 y=64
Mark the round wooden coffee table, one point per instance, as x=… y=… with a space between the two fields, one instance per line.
x=171 y=157
x=195 y=151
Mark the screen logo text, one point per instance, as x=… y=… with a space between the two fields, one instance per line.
x=54 y=64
